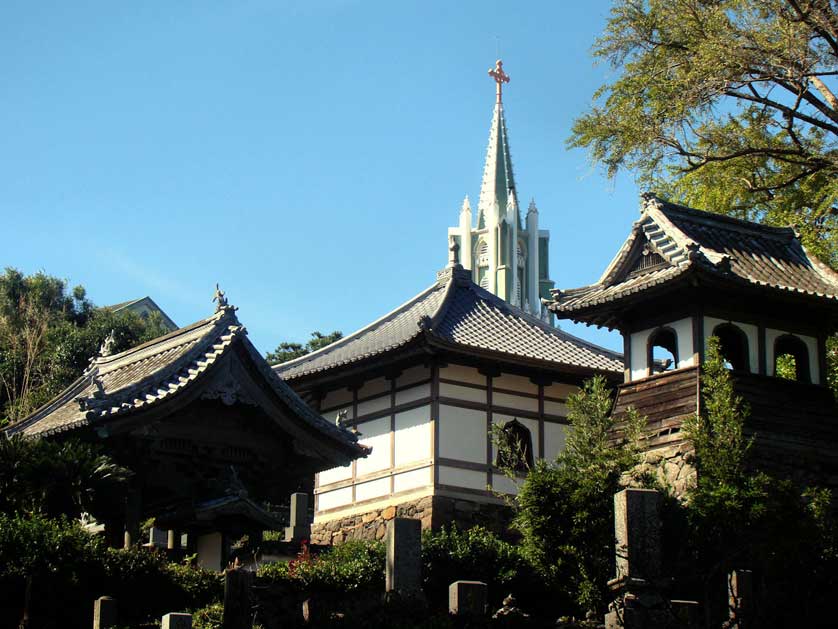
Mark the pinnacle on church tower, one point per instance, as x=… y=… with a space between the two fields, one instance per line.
x=505 y=255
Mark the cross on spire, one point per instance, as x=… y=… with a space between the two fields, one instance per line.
x=499 y=76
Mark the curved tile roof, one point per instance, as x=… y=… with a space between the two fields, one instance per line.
x=689 y=239
x=457 y=313
x=146 y=375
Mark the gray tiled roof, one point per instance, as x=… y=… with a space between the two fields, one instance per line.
x=693 y=240
x=455 y=312
x=144 y=376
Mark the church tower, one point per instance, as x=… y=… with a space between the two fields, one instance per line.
x=507 y=256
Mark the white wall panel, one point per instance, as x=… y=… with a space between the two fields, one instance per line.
x=337 y=397
x=374 y=387
x=503 y=484
x=332 y=499
x=463 y=374
x=413 y=374
x=555 y=408
x=514 y=383
x=640 y=341
x=413 y=435
x=336 y=474
x=374 y=405
x=462 y=393
x=372 y=489
x=462 y=434
x=514 y=401
x=411 y=480
x=413 y=394
x=456 y=477
x=555 y=436
x=558 y=390
x=375 y=433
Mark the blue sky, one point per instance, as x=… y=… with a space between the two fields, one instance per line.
x=307 y=155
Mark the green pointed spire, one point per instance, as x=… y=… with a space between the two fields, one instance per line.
x=498 y=182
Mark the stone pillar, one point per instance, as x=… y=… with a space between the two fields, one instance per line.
x=133 y=507
x=637 y=602
x=467 y=598
x=177 y=621
x=104 y=612
x=740 y=589
x=157 y=537
x=237 y=614
x=173 y=540
x=299 y=528
x=210 y=550
x=404 y=557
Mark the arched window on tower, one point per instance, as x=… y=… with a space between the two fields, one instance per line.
x=514 y=447
x=734 y=345
x=662 y=352
x=791 y=359
x=521 y=259
x=481 y=259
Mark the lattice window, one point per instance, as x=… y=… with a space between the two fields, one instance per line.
x=482 y=254
x=648 y=260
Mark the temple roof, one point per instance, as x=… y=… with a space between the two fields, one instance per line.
x=670 y=241
x=456 y=314
x=166 y=368
x=144 y=305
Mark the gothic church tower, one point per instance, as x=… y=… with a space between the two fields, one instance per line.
x=506 y=256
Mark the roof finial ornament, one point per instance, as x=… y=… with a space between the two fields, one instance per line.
x=532 y=207
x=453 y=252
x=220 y=299
x=500 y=78
x=649 y=201
x=466 y=205
x=106 y=349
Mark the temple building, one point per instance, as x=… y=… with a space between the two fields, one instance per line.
x=208 y=430
x=423 y=386
x=684 y=275
x=145 y=307
x=506 y=256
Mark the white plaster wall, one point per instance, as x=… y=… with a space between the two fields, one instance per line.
x=639 y=342
x=514 y=401
x=331 y=499
x=555 y=437
x=514 y=383
x=334 y=475
x=413 y=435
x=413 y=394
x=462 y=393
x=336 y=398
x=462 y=434
x=503 y=484
x=374 y=387
x=375 y=433
x=372 y=489
x=373 y=405
x=751 y=332
x=558 y=390
x=413 y=374
x=771 y=336
x=555 y=408
x=457 y=477
x=413 y=479
x=463 y=374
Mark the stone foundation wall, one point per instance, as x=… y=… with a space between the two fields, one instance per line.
x=671 y=465
x=432 y=511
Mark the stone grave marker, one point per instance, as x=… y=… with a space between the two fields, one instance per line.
x=467 y=598
x=104 y=612
x=404 y=557
x=299 y=528
x=177 y=621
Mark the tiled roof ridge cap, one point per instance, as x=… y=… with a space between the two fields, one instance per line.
x=216 y=319
x=357 y=333
x=762 y=229
x=826 y=271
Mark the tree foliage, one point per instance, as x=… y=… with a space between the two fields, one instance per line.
x=727 y=105
x=48 y=333
x=565 y=508
x=288 y=350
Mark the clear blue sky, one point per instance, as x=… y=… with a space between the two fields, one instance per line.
x=307 y=155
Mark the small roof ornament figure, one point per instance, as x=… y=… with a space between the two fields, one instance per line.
x=106 y=349
x=220 y=299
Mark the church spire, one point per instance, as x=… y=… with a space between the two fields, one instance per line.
x=498 y=186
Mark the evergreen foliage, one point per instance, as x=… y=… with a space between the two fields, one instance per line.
x=49 y=333
x=565 y=508
x=287 y=350
x=727 y=105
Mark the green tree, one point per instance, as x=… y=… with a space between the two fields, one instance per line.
x=565 y=508
x=727 y=105
x=287 y=350
x=48 y=334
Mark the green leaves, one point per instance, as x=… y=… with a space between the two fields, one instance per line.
x=286 y=351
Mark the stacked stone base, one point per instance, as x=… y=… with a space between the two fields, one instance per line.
x=433 y=512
